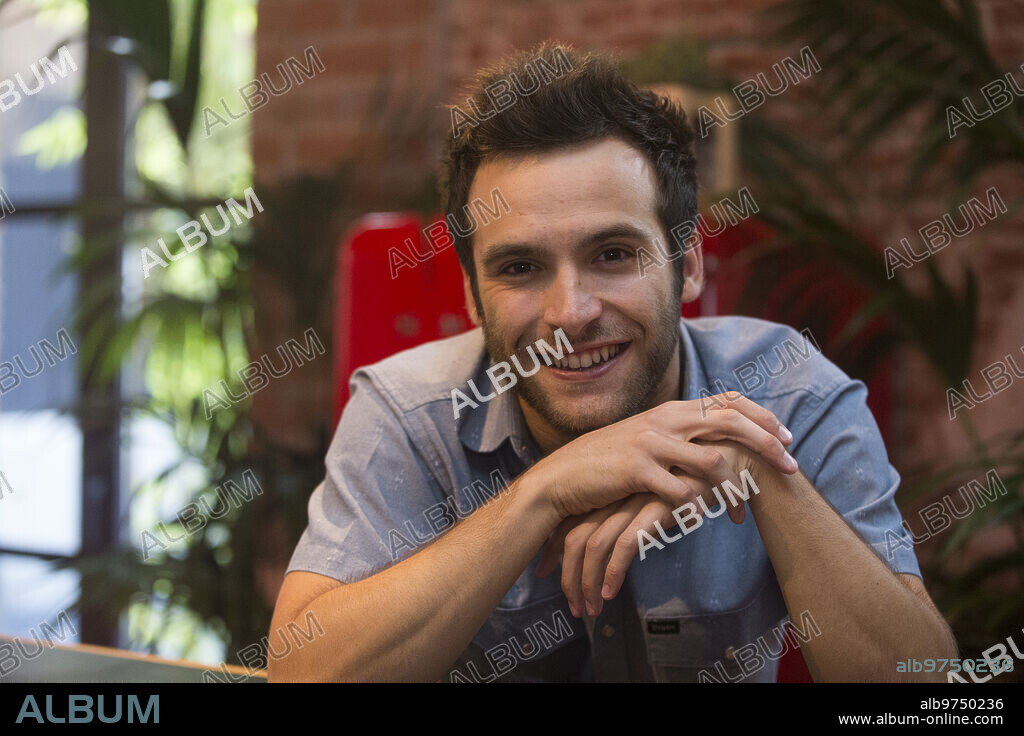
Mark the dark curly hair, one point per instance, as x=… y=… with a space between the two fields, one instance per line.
x=564 y=98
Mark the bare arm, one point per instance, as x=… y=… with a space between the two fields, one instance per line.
x=865 y=617
x=412 y=620
x=869 y=617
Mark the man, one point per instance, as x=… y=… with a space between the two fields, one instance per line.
x=609 y=452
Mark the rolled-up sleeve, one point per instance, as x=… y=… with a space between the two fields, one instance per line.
x=368 y=510
x=841 y=452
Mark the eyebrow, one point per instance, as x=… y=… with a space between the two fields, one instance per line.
x=501 y=251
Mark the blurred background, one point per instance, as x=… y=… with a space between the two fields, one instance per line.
x=152 y=486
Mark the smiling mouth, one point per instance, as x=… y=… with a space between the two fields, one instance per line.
x=584 y=360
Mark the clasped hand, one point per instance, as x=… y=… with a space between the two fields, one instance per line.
x=610 y=484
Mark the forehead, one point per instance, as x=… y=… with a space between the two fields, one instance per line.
x=566 y=193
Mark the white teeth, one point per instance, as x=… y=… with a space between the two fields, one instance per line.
x=586 y=359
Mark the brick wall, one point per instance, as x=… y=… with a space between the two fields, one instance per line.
x=426 y=48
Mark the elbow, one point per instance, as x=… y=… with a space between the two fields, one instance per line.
x=297 y=668
x=943 y=650
x=297 y=652
x=288 y=668
x=947 y=642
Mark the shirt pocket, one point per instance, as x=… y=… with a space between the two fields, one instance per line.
x=682 y=647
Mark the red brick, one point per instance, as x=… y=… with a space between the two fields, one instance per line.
x=319 y=148
x=300 y=15
x=392 y=13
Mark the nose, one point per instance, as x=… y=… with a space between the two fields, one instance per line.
x=570 y=303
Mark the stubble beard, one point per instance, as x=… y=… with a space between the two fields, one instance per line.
x=634 y=397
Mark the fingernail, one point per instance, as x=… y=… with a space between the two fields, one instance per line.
x=790 y=462
x=606 y=592
x=590 y=609
x=785 y=434
x=573 y=610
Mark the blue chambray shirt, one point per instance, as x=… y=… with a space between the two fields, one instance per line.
x=402 y=470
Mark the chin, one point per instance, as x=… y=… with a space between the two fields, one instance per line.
x=577 y=417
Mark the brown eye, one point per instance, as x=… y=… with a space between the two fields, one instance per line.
x=518 y=268
x=614 y=255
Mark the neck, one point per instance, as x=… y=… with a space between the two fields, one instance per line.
x=550 y=438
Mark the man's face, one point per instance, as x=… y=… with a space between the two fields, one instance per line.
x=565 y=256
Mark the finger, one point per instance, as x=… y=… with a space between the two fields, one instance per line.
x=694 y=459
x=731 y=424
x=572 y=557
x=736 y=510
x=627 y=545
x=758 y=414
x=702 y=467
x=552 y=551
x=737 y=513
x=599 y=547
x=673 y=489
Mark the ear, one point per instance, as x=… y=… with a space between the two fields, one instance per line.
x=693 y=267
x=467 y=291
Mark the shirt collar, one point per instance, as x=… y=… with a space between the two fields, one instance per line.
x=693 y=375
x=490 y=424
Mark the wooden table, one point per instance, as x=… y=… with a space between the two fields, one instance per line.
x=88 y=663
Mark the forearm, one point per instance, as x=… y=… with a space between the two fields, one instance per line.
x=867 y=617
x=412 y=620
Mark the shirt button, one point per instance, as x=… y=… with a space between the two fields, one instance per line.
x=607 y=631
